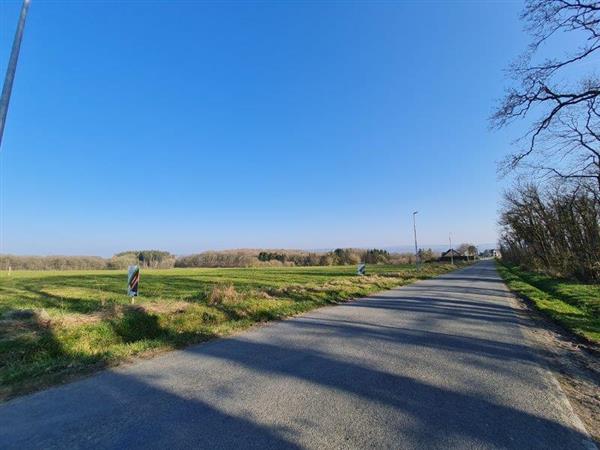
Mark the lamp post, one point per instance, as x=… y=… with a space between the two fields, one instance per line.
x=415 y=232
x=12 y=67
x=451 y=250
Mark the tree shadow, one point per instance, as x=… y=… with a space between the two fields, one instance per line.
x=144 y=408
x=471 y=278
x=462 y=289
x=114 y=410
x=47 y=300
x=32 y=356
x=464 y=345
x=433 y=307
x=449 y=413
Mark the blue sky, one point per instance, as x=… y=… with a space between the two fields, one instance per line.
x=188 y=126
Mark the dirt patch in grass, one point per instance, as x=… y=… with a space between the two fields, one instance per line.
x=17 y=323
x=10 y=328
x=176 y=307
x=75 y=319
x=111 y=311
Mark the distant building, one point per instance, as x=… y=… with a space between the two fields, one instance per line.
x=490 y=253
x=452 y=254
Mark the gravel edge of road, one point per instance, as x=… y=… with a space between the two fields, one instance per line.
x=574 y=369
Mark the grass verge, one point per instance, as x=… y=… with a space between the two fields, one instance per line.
x=57 y=325
x=576 y=306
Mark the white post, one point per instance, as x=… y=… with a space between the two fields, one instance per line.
x=415 y=232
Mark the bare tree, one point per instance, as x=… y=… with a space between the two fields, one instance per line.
x=563 y=140
x=468 y=250
x=576 y=141
x=556 y=230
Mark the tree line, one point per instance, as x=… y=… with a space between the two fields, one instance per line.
x=157 y=259
x=337 y=257
x=257 y=258
x=552 y=230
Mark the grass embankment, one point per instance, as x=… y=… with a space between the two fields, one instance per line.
x=57 y=324
x=574 y=305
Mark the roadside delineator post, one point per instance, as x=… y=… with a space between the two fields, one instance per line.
x=133 y=280
x=361 y=269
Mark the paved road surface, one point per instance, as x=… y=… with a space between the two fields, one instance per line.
x=438 y=364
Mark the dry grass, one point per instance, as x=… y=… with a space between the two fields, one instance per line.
x=173 y=307
x=223 y=295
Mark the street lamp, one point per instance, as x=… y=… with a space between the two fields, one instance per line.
x=451 y=250
x=415 y=231
x=12 y=67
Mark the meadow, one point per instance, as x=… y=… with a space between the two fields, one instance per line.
x=575 y=305
x=56 y=325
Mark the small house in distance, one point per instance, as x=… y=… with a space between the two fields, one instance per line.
x=489 y=253
x=452 y=254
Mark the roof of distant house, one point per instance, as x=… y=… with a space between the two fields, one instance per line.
x=451 y=252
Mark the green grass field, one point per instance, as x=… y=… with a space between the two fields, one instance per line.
x=574 y=305
x=54 y=325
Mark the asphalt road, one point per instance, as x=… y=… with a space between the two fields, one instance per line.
x=441 y=363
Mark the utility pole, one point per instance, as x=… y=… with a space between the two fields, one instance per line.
x=451 y=250
x=415 y=231
x=12 y=67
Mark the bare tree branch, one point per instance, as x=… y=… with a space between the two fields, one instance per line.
x=563 y=139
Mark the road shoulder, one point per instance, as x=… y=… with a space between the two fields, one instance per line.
x=574 y=365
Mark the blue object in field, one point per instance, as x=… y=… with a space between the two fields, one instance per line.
x=361 y=269
x=133 y=280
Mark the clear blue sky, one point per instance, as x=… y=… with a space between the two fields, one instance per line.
x=187 y=126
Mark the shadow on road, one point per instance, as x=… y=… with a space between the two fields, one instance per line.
x=449 y=413
x=143 y=409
